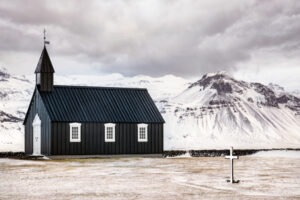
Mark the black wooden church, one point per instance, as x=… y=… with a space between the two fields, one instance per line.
x=80 y=120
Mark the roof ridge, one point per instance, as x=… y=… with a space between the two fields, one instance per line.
x=97 y=87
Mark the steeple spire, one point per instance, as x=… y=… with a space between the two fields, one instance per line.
x=44 y=70
x=44 y=64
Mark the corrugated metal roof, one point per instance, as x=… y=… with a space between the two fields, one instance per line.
x=101 y=104
x=44 y=64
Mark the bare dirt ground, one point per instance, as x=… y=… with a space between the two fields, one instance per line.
x=151 y=178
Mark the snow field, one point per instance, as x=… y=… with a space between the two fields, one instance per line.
x=275 y=175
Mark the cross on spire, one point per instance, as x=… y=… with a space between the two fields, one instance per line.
x=45 y=41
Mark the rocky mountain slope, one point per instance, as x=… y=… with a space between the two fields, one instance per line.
x=219 y=111
x=212 y=113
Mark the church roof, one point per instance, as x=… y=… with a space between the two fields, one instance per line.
x=44 y=64
x=100 y=104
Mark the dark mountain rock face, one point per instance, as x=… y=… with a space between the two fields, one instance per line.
x=218 y=79
x=4 y=75
x=5 y=117
x=3 y=95
x=250 y=100
x=207 y=80
x=283 y=99
x=269 y=95
x=291 y=102
x=222 y=87
x=219 y=102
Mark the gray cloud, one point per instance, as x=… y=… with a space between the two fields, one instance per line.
x=154 y=37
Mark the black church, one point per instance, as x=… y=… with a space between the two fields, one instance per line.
x=80 y=120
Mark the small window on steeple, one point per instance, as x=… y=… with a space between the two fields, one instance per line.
x=38 y=78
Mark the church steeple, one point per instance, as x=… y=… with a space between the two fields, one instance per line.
x=44 y=72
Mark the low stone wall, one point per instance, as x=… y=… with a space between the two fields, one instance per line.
x=218 y=153
x=20 y=155
x=173 y=153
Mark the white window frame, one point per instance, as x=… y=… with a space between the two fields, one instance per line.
x=74 y=125
x=113 y=126
x=146 y=133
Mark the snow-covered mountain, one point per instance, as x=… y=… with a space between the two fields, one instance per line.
x=214 y=112
x=218 y=111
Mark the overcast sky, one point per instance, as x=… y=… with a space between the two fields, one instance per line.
x=253 y=40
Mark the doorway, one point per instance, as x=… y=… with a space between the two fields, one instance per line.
x=36 y=135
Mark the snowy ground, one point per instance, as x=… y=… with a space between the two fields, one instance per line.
x=266 y=175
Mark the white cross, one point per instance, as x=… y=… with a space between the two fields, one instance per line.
x=231 y=157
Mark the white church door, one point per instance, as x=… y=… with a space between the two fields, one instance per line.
x=36 y=135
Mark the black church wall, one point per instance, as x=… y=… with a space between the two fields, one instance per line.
x=93 y=140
